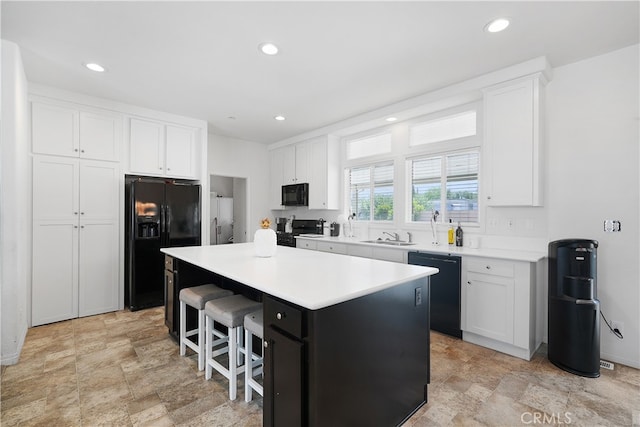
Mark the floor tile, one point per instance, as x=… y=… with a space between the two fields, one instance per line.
x=123 y=369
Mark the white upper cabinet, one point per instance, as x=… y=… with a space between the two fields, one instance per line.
x=68 y=130
x=180 y=151
x=324 y=179
x=295 y=163
x=276 y=178
x=146 y=147
x=315 y=162
x=513 y=142
x=162 y=149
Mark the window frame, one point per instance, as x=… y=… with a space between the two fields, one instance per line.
x=444 y=217
x=444 y=148
x=371 y=166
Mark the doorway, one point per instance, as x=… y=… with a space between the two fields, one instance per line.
x=228 y=209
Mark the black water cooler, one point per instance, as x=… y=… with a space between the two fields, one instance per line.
x=574 y=310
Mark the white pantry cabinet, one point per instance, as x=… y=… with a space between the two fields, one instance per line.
x=513 y=142
x=162 y=149
x=75 y=238
x=501 y=305
x=65 y=129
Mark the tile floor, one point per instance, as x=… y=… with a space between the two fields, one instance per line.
x=122 y=369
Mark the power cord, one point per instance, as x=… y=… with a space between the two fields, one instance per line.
x=615 y=331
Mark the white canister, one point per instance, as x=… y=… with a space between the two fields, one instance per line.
x=265 y=242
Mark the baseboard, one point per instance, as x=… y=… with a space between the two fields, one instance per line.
x=13 y=358
x=502 y=347
x=621 y=360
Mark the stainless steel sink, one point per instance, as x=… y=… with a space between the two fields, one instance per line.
x=389 y=242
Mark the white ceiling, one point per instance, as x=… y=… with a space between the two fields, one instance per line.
x=337 y=60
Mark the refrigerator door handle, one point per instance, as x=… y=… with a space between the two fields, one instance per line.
x=167 y=222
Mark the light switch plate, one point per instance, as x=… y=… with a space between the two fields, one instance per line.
x=612 y=226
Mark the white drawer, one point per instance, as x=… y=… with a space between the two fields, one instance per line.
x=491 y=266
x=338 y=248
x=306 y=244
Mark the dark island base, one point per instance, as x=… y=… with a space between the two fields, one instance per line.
x=363 y=362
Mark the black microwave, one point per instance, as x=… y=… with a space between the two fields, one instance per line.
x=295 y=195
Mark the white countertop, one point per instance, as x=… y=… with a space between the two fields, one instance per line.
x=310 y=279
x=528 y=256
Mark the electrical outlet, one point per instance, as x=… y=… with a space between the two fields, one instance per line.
x=615 y=324
x=612 y=226
x=418 y=296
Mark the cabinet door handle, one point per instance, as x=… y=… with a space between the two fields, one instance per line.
x=488 y=267
x=488 y=197
x=75 y=149
x=469 y=282
x=280 y=316
x=75 y=213
x=266 y=344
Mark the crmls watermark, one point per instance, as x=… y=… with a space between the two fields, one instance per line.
x=544 y=418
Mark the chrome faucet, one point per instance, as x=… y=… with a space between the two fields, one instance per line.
x=409 y=234
x=396 y=236
x=434 y=226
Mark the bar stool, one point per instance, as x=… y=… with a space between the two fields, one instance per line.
x=253 y=325
x=196 y=297
x=229 y=312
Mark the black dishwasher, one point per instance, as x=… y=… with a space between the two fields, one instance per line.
x=445 y=290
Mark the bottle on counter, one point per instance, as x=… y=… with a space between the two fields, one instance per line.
x=459 y=235
x=451 y=233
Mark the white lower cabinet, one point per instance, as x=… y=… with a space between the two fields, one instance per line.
x=75 y=238
x=361 y=251
x=55 y=272
x=388 y=254
x=501 y=304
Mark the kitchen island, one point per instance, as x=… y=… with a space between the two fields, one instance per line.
x=346 y=338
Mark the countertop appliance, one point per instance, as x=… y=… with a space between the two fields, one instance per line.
x=159 y=213
x=574 y=310
x=298 y=227
x=295 y=195
x=445 y=290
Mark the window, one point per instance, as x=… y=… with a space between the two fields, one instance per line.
x=447 y=183
x=369 y=146
x=444 y=128
x=372 y=184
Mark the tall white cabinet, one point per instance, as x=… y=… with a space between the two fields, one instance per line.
x=513 y=142
x=75 y=196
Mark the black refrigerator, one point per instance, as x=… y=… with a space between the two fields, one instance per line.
x=159 y=213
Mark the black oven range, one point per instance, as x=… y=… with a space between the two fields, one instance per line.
x=298 y=226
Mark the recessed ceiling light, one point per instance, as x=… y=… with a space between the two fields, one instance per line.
x=94 y=67
x=391 y=119
x=268 y=48
x=279 y=118
x=497 y=25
